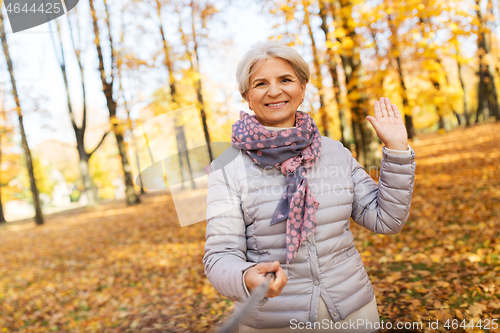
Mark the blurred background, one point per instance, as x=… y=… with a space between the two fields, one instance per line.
x=73 y=90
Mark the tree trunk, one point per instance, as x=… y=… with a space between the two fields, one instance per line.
x=460 y=76
x=199 y=89
x=493 y=105
x=332 y=67
x=130 y=123
x=448 y=83
x=29 y=163
x=199 y=96
x=358 y=141
x=166 y=51
x=458 y=117
x=345 y=131
x=356 y=94
x=441 y=125
x=371 y=145
x=410 y=130
x=131 y=196
x=173 y=90
x=490 y=73
x=39 y=219
x=439 y=109
x=486 y=74
x=181 y=142
x=319 y=77
x=409 y=124
x=2 y=216
x=481 y=88
x=89 y=188
x=141 y=184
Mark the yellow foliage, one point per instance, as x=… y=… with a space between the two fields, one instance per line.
x=347 y=43
x=340 y=32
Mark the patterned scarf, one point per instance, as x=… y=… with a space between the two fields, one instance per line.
x=293 y=151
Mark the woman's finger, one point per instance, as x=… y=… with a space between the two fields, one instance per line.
x=278 y=284
x=378 y=110
x=383 y=107
x=397 y=114
x=388 y=106
x=266 y=267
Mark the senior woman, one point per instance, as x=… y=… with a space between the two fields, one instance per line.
x=283 y=204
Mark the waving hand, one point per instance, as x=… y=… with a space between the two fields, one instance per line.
x=389 y=125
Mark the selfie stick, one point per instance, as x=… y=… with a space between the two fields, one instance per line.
x=232 y=324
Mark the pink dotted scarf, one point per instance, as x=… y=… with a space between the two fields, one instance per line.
x=293 y=151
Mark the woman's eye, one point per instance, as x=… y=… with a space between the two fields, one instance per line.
x=259 y=84
x=287 y=80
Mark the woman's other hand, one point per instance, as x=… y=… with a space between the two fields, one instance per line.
x=257 y=274
x=389 y=125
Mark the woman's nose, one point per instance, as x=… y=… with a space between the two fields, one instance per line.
x=274 y=90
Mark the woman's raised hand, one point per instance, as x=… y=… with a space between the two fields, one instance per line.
x=389 y=125
x=257 y=274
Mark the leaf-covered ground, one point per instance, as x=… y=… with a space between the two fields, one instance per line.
x=134 y=269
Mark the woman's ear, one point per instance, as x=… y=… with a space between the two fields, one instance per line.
x=303 y=86
x=245 y=97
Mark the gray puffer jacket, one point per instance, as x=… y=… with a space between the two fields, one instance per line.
x=242 y=198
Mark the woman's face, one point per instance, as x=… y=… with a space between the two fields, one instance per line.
x=275 y=93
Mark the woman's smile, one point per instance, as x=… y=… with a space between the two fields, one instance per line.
x=276 y=105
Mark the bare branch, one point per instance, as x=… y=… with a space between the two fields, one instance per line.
x=99 y=144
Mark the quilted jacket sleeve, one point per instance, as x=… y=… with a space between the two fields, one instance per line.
x=384 y=207
x=225 y=248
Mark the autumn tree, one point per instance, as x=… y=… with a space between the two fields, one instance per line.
x=402 y=49
x=175 y=102
x=2 y=216
x=201 y=13
x=487 y=91
x=460 y=62
x=84 y=156
x=108 y=79
x=433 y=18
x=39 y=219
x=318 y=77
x=418 y=46
x=332 y=61
x=395 y=51
x=367 y=144
x=10 y=160
x=126 y=59
x=5 y=130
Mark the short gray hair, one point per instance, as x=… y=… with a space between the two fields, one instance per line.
x=262 y=51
